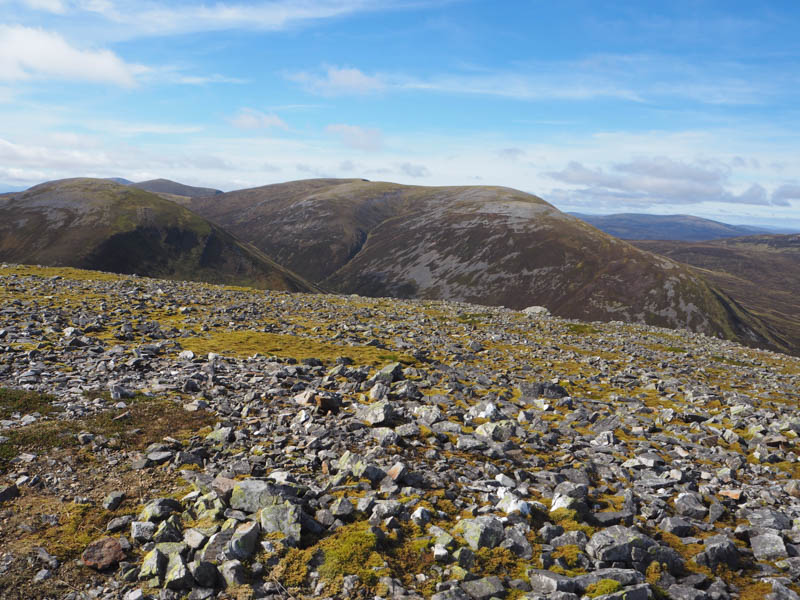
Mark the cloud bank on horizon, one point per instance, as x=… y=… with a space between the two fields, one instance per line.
x=647 y=107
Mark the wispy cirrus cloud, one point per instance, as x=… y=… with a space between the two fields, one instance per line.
x=630 y=78
x=168 y=18
x=27 y=54
x=52 y=6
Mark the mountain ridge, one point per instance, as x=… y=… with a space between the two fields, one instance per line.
x=99 y=224
x=482 y=244
x=640 y=226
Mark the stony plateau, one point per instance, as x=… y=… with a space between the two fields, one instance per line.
x=166 y=439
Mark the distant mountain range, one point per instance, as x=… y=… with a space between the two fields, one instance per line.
x=485 y=245
x=634 y=226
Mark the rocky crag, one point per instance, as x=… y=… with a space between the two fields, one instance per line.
x=163 y=439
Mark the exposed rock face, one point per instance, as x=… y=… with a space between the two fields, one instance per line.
x=506 y=456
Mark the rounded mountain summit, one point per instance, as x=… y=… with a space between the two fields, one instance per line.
x=485 y=245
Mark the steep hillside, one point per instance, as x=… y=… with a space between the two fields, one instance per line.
x=762 y=272
x=165 y=186
x=487 y=245
x=633 y=226
x=99 y=224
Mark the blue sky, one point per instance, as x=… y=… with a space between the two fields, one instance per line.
x=665 y=107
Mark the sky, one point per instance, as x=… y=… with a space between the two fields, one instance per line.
x=688 y=107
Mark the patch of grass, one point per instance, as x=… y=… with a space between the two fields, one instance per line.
x=582 y=328
x=501 y=562
x=24 y=402
x=729 y=361
x=144 y=421
x=80 y=524
x=247 y=343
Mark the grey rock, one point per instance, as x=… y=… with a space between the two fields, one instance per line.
x=177 y=576
x=768 y=547
x=484 y=588
x=482 y=532
x=142 y=531
x=375 y=414
x=617 y=543
x=250 y=495
x=451 y=594
x=233 y=572
x=690 y=504
x=205 y=573
x=626 y=577
x=113 y=500
x=245 y=540
x=8 y=493
x=676 y=526
x=153 y=566
x=159 y=509
x=684 y=592
x=546 y=582
x=719 y=551
x=282 y=518
x=217 y=545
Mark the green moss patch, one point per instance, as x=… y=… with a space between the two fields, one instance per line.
x=247 y=343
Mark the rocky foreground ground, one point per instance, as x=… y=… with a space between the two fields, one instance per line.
x=176 y=440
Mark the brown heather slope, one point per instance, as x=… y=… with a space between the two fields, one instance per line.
x=762 y=272
x=99 y=224
x=486 y=245
x=173 y=188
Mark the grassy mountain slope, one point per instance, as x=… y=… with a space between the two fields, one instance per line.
x=633 y=226
x=99 y=224
x=762 y=272
x=488 y=245
x=165 y=186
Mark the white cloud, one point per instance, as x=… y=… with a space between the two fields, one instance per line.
x=27 y=53
x=657 y=180
x=357 y=137
x=786 y=192
x=205 y=79
x=53 y=6
x=248 y=118
x=152 y=18
x=338 y=81
x=129 y=128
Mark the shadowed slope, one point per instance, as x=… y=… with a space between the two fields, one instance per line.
x=99 y=224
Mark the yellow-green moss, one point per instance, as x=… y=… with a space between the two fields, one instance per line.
x=569 y=554
x=603 y=587
x=292 y=570
x=351 y=551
